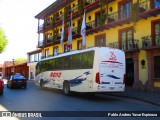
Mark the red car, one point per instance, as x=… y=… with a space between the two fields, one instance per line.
x=1 y=86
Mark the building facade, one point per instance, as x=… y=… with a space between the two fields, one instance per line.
x=32 y=58
x=1 y=65
x=130 y=25
x=10 y=67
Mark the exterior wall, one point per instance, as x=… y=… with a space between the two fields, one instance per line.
x=22 y=69
x=32 y=64
x=31 y=70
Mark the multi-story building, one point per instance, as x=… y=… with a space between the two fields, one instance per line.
x=32 y=58
x=130 y=25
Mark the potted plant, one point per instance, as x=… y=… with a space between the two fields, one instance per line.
x=103 y=15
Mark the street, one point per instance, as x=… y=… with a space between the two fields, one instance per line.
x=34 y=99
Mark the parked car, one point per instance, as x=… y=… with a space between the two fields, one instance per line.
x=1 y=76
x=17 y=80
x=1 y=86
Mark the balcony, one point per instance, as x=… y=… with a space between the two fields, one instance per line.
x=48 y=22
x=130 y=45
x=117 y=19
x=151 y=41
x=56 y=38
x=90 y=1
x=40 y=28
x=59 y=17
x=49 y=40
x=113 y=45
x=90 y=25
x=40 y=43
x=74 y=9
x=148 y=8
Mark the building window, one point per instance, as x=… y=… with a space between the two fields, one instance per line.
x=100 y=40
x=98 y=21
x=157 y=67
x=39 y=56
x=126 y=38
x=36 y=57
x=55 y=51
x=47 y=53
x=156 y=32
x=79 y=44
x=66 y=48
x=124 y=8
x=156 y=3
x=31 y=58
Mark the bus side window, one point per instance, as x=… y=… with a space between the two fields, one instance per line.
x=43 y=66
x=85 y=61
x=90 y=59
x=79 y=61
x=56 y=64
x=60 y=63
x=74 y=61
x=52 y=64
x=67 y=62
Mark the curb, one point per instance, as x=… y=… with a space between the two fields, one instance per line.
x=136 y=98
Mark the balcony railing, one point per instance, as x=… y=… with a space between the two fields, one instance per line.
x=40 y=43
x=56 y=36
x=59 y=17
x=40 y=27
x=49 y=40
x=118 y=15
x=75 y=30
x=130 y=45
x=74 y=9
x=90 y=1
x=90 y=25
x=48 y=22
x=151 y=41
x=148 y=4
x=113 y=45
x=126 y=45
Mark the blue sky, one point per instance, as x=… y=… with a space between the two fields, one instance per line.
x=20 y=26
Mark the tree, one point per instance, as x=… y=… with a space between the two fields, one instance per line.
x=20 y=59
x=3 y=40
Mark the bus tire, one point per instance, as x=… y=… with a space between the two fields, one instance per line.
x=42 y=84
x=66 y=88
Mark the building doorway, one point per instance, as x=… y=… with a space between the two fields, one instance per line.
x=129 y=72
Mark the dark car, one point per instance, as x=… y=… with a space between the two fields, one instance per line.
x=17 y=80
x=1 y=86
x=1 y=76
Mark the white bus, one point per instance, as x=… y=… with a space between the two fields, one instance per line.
x=93 y=70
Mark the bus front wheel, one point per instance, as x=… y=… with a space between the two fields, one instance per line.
x=66 y=88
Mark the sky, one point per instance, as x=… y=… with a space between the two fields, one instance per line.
x=17 y=19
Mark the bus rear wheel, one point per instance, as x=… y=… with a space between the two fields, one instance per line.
x=66 y=88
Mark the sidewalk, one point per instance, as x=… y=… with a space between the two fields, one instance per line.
x=150 y=97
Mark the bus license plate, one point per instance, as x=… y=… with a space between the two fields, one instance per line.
x=111 y=88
